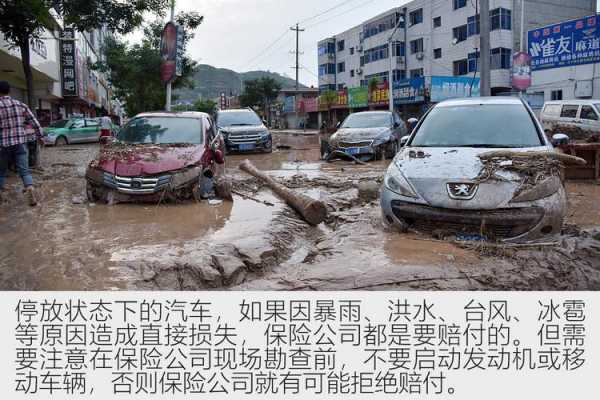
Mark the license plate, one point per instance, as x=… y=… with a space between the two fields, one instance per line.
x=353 y=150
x=247 y=146
x=470 y=238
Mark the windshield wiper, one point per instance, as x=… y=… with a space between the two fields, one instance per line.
x=241 y=125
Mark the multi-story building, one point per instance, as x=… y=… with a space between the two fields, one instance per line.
x=435 y=38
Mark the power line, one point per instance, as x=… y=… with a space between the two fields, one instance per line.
x=340 y=14
x=343 y=3
x=267 y=48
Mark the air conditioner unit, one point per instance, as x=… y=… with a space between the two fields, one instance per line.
x=420 y=56
x=400 y=60
x=359 y=71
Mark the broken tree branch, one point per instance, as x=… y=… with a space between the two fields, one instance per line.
x=564 y=158
x=313 y=211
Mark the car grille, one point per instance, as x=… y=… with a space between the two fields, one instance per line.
x=137 y=185
x=246 y=138
x=495 y=224
x=346 y=145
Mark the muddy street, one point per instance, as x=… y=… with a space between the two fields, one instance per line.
x=259 y=243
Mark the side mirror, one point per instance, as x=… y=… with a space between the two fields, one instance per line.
x=560 y=138
x=337 y=126
x=404 y=140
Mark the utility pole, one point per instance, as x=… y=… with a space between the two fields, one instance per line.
x=170 y=84
x=522 y=40
x=485 y=48
x=391 y=71
x=297 y=67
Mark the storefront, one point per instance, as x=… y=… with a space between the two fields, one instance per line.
x=409 y=97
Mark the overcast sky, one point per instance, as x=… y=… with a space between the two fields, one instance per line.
x=235 y=32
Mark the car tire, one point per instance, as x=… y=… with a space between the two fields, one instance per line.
x=91 y=194
x=392 y=149
x=379 y=153
x=61 y=141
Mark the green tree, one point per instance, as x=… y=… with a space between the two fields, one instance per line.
x=134 y=70
x=206 y=106
x=260 y=93
x=24 y=20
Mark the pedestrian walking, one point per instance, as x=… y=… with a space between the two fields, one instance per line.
x=105 y=128
x=15 y=120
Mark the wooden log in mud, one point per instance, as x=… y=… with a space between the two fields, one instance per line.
x=313 y=211
x=564 y=158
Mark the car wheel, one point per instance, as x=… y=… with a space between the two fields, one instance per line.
x=90 y=191
x=392 y=149
x=379 y=153
x=269 y=149
x=61 y=141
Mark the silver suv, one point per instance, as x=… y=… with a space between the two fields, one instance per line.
x=244 y=131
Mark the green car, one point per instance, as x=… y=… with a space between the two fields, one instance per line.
x=74 y=130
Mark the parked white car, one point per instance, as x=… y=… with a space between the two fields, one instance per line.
x=568 y=116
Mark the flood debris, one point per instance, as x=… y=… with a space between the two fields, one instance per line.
x=312 y=211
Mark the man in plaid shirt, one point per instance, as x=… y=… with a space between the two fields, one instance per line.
x=15 y=119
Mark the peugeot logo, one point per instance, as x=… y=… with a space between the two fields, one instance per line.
x=462 y=191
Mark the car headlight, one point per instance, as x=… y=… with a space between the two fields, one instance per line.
x=397 y=183
x=545 y=188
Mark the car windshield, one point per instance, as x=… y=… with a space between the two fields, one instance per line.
x=59 y=124
x=161 y=130
x=487 y=125
x=367 y=120
x=238 y=118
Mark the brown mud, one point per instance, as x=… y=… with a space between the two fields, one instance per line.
x=259 y=243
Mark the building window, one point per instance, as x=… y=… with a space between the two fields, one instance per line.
x=376 y=54
x=341 y=67
x=399 y=75
x=473 y=25
x=398 y=49
x=557 y=95
x=386 y=23
x=460 y=33
x=460 y=67
x=351 y=73
x=326 y=69
x=473 y=60
x=416 y=46
x=501 y=58
x=437 y=53
x=416 y=17
x=459 y=4
x=500 y=19
x=351 y=51
x=381 y=77
x=340 y=45
x=437 y=22
x=416 y=73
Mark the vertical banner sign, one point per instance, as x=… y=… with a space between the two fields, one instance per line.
x=566 y=44
x=180 y=51
x=68 y=63
x=168 y=52
x=521 y=71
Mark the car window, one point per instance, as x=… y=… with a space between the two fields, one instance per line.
x=238 y=118
x=569 y=111
x=367 y=120
x=92 y=123
x=470 y=126
x=78 y=123
x=552 y=110
x=587 y=112
x=162 y=130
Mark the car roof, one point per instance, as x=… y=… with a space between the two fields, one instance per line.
x=235 y=110
x=573 y=102
x=470 y=101
x=371 y=112
x=174 y=114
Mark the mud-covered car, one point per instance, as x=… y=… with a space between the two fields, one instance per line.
x=366 y=135
x=244 y=131
x=442 y=180
x=157 y=156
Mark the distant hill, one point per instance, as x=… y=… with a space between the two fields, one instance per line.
x=211 y=82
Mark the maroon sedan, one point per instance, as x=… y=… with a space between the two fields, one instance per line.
x=157 y=156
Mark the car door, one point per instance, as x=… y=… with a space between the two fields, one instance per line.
x=92 y=130
x=589 y=119
x=76 y=131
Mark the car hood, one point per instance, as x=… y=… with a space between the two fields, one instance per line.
x=430 y=170
x=143 y=160
x=243 y=129
x=360 y=134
